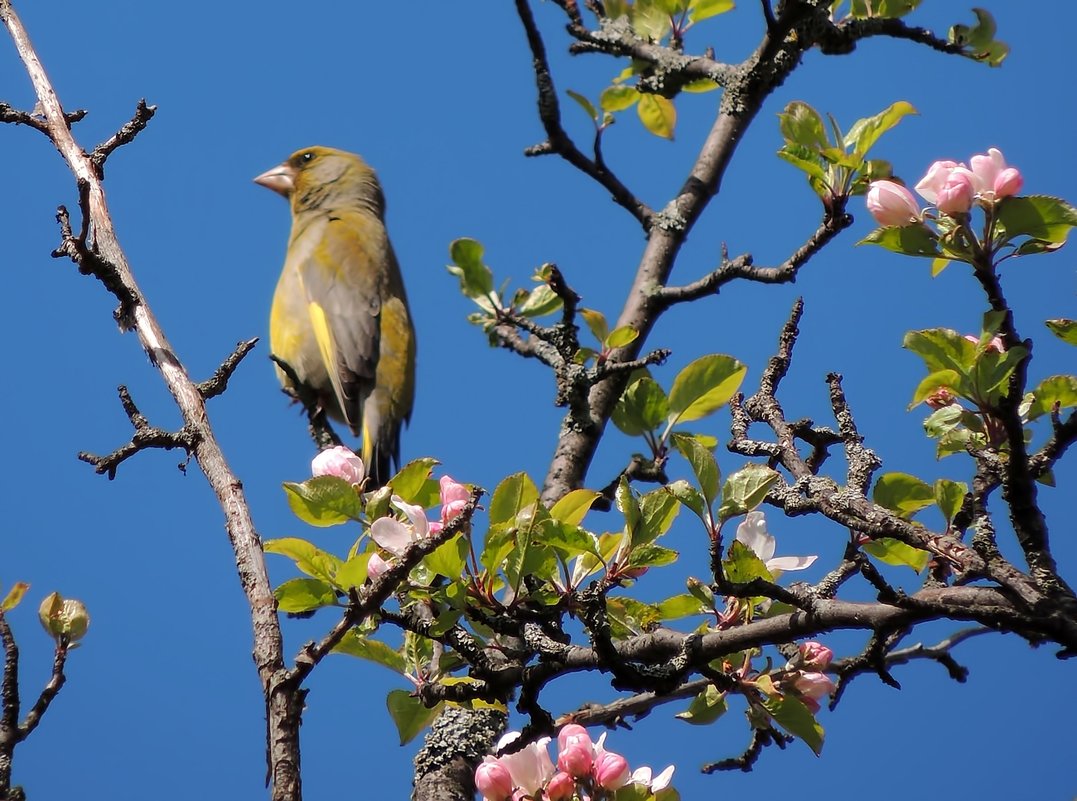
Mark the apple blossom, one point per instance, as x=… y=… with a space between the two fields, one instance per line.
x=454 y=497
x=395 y=536
x=941 y=397
x=936 y=177
x=493 y=780
x=814 y=685
x=994 y=179
x=642 y=776
x=340 y=462
x=530 y=767
x=610 y=770
x=376 y=566
x=891 y=204
x=815 y=655
x=996 y=345
x=560 y=788
x=573 y=730
x=576 y=756
x=957 y=194
x=753 y=534
x=1008 y=182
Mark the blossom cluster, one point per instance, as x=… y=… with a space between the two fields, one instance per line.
x=584 y=769
x=804 y=674
x=950 y=187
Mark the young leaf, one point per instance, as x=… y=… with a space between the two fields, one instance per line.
x=409 y=714
x=683 y=605
x=690 y=497
x=323 y=501
x=619 y=337
x=897 y=553
x=1066 y=330
x=699 y=10
x=949 y=495
x=942 y=349
x=596 y=322
x=514 y=494
x=573 y=507
x=792 y=715
x=704 y=386
x=355 y=644
x=703 y=465
x=902 y=493
x=658 y=115
x=658 y=510
x=353 y=573
x=742 y=565
x=14 y=595
x=1041 y=217
x=705 y=708
x=618 y=98
x=304 y=595
x=642 y=407
x=866 y=132
x=911 y=240
x=745 y=489
x=1058 y=389
x=409 y=482
x=449 y=558
x=800 y=124
x=307 y=557
x=585 y=104
x=476 y=279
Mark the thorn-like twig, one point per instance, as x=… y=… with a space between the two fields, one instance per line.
x=218 y=382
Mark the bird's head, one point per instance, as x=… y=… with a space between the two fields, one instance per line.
x=322 y=178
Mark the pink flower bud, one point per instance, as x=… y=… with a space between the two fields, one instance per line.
x=610 y=771
x=560 y=788
x=940 y=398
x=935 y=179
x=996 y=344
x=1008 y=182
x=815 y=655
x=956 y=195
x=573 y=730
x=339 y=462
x=891 y=204
x=376 y=566
x=576 y=756
x=493 y=780
x=454 y=497
x=986 y=168
x=813 y=685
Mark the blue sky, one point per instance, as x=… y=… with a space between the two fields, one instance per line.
x=439 y=97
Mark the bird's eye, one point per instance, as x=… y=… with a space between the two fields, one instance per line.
x=307 y=157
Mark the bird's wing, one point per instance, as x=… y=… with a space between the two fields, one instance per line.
x=343 y=278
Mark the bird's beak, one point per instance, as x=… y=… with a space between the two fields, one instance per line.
x=281 y=179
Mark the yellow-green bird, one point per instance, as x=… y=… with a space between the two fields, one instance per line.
x=340 y=317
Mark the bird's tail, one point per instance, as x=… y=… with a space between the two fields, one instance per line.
x=381 y=448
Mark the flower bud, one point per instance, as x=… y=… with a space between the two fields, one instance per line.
x=66 y=619
x=574 y=731
x=454 y=497
x=940 y=398
x=1008 y=182
x=815 y=656
x=576 y=756
x=956 y=195
x=376 y=566
x=340 y=462
x=610 y=771
x=493 y=780
x=813 y=685
x=891 y=204
x=560 y=788
x=937 y=173
x=996 y=345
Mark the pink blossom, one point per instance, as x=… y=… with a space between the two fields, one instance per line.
x=956 y=195
x=753 y=534
x=493 y=780
x=394 y=535
x=560 y=788
x=1008 y=182
x=454 y=497
x=815 y=655
x=376 y=566
x=813 y=685
x=996 y=345
x=937 y=174
x=340 y=462
x=940 y=398
x=576 y=756
x=574 y=730
x=610 y=770
x=530 y=767
x=891 y=204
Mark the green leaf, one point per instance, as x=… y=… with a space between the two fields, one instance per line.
x=14 y=596
x=745 y=489
x=792 y=715
x=307 y=557
x=979 y=39
x=449 y=558
x=353 y=573
x=948 y=379
x=627 y=505
x=690 y=497
x=1060 y=389
x=800 y=124
x=703 y=465
x=411 y=481
x=942 y=421
x=596 y=322
x=1048 y=219
x=807 y=161
x=683 y=605
x=1064 y=329
x=942 y=349
x=514 y=494
x=911 y=240
x=409 y=714
x=658 y=115
x=618 y=98
x=705 y=708
x=304 y=595
x=658 y=509
x=642 y=407
x=699 y=10
x=742 y=565
x=949 y=496
x=881 y=8
x=866 y=132
x=476 y=279
x=649 y=19
x=652 y=556
x=902 y=493
x=573 y=507
x=585 y=104
x=355 y=644
x=897 y=553
x=540 y=301
x=496 y=549
x=619 y=337
x=704 y=386
x=324 y=501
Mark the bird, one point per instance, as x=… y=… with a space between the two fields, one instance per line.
x=340 y=317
